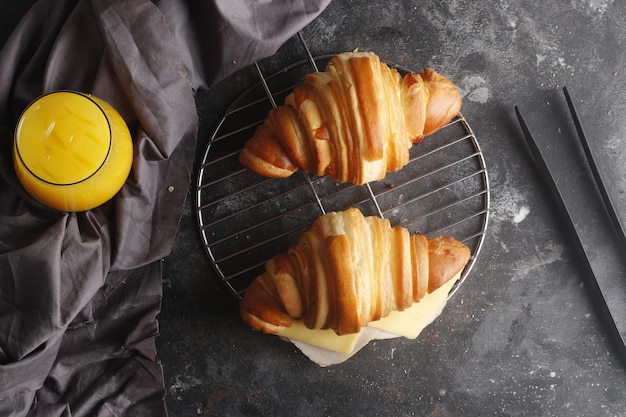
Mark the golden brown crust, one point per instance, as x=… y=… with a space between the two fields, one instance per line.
x=401 y=249
x=281 y=271
x=347 y=271
x=413 y=96
x=346 y=301
x=419 y=254
x=444 y=101
x=445 y=256
x=266 y=156
x=262 y=310
x=355 y=121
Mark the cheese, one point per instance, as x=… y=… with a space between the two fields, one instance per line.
x=325 y=339
x=408 y=323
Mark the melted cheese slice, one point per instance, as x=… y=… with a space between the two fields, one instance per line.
x=326 y=347
x=410 y=322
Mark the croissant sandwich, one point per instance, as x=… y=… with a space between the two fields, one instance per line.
x=355 y=121
x=349 y=273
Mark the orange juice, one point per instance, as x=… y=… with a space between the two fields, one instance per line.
x=72 y=151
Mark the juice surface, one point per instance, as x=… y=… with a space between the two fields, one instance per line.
x=72 y=151
x=64 y=138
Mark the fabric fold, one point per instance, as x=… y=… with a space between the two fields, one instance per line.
x=80 y=292
x=57 y=278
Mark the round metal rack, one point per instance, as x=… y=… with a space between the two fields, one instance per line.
x=245 y=219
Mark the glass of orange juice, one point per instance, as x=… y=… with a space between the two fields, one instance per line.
x=72 y=151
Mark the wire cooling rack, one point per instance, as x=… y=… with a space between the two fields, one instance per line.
x=245 y=219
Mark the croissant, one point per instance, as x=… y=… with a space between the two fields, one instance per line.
x=355 y=121
x=347 y=271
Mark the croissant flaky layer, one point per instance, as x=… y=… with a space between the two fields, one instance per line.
x=355 y=121
x=347 y=271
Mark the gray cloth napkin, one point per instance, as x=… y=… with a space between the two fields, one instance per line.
x=80 y=292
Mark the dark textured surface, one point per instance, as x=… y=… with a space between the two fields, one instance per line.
x=522 y=337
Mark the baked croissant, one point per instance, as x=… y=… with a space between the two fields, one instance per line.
x=347 y=271
x=355 y=121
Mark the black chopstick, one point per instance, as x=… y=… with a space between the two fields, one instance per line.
x=618 y=225
x=599 y=290
x=544 y=170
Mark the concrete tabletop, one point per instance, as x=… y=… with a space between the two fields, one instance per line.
x=522 y=336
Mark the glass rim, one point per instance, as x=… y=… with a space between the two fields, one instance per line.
x=21 y=119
